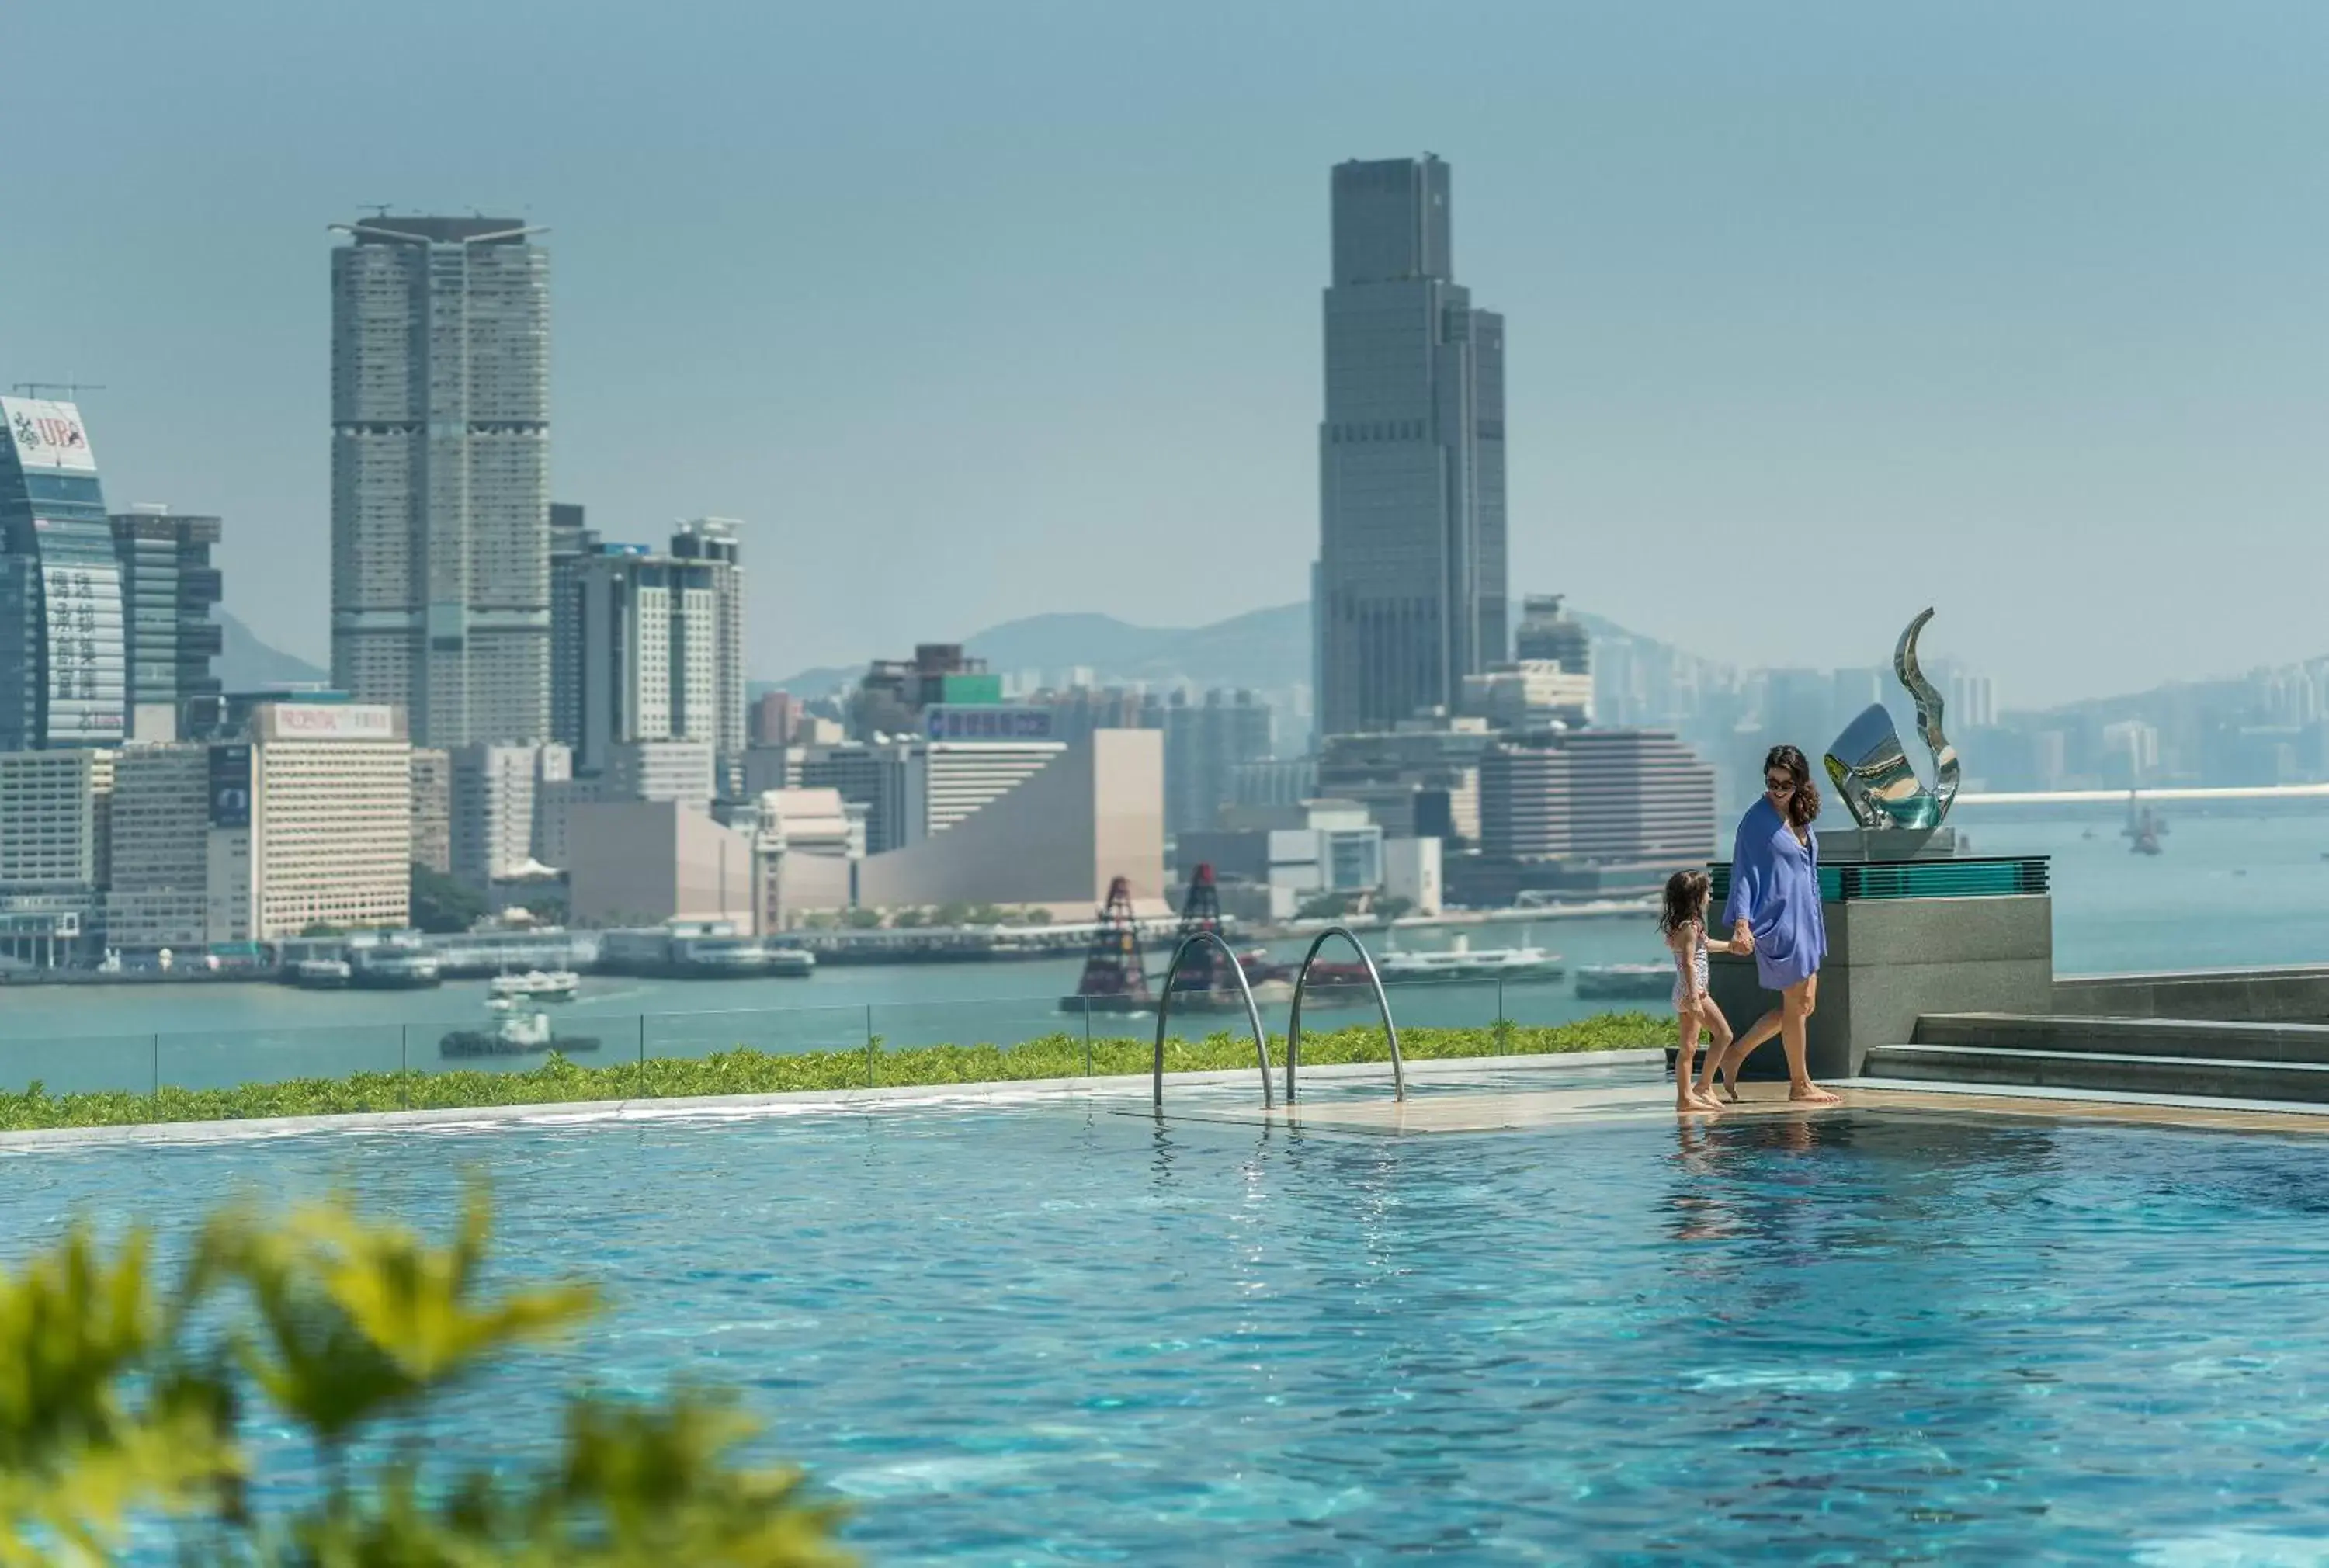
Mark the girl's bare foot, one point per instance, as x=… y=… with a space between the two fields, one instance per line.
x=1694 y=1108
x=1811 y=1093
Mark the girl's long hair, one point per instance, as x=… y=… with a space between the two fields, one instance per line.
x=1803 y=806
x=1686 y=894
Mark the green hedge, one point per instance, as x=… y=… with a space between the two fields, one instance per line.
x=749 y=1072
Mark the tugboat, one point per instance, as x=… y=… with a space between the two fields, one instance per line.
x=513 y=1031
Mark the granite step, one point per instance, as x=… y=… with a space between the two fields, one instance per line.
x=2176 y=1038
x=2213 y=1077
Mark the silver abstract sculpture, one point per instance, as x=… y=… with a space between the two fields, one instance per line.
x=1871 y=771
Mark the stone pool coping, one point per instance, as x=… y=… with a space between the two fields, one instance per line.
x=1487 y=1109
x=1502 y=1110
x=574 y=1112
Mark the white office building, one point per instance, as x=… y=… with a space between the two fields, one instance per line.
x=497 y=807
x=710 y=542
x=329 y=838
x=55 y=819
x=650 y=646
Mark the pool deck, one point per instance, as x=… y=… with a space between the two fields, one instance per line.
x=1456 y=1110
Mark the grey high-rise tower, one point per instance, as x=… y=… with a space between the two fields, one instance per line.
x=1409 y=588
x=440 y=465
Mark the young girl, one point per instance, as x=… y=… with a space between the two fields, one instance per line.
x=1682 y=922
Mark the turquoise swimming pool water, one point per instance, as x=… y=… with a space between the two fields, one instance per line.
x=1059 y=1334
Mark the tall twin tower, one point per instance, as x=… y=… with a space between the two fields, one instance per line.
x=440 y=467
x=440 y=474
x=1409 y=595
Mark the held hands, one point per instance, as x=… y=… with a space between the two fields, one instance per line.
x=1742 y=940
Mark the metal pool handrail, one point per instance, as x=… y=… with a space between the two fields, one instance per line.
x=1382 y=1000
x=1252 y=1013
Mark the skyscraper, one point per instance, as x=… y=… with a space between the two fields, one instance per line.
x=63 y=672
x=440 y=462
x=1205 y=743
x=168 y=589
x=1409 y=584
x=650 y=641
x=712 y=542
x=570 y=540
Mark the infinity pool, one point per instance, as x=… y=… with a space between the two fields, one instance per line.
x=1059 y=1334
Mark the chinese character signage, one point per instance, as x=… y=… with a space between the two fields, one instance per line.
x=985 y=722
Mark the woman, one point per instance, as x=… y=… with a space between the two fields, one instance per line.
x=1775 y=901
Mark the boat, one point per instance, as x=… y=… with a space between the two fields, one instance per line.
x=536 y=985
x=701 y=951
x=399 y=969
x=1624 y=981
x=322 y=974
x=513 y=1031
x=1462 y=961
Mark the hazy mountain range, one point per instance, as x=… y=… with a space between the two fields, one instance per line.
x=1265 y=650
x=247 y=664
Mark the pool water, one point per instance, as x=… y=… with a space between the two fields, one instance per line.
x=1060 y=1334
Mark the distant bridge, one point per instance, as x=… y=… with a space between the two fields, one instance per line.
x=2121 y=797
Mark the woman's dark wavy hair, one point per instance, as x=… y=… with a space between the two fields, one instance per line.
x=1803 y=806
x=1686 y=894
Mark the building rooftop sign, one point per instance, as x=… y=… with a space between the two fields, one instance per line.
x=330 y=721
x=981 y=721
x=46 y=436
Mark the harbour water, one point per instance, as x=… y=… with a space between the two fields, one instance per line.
x=2228 y=890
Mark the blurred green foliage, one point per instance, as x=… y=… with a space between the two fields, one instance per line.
x=123 y=1398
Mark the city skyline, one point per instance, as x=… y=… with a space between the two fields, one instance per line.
x=2052 y=310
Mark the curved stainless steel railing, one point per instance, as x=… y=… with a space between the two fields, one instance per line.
x=1382 y=1000
x=1252 y=1013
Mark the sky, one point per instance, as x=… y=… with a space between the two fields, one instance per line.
x=1817 y=312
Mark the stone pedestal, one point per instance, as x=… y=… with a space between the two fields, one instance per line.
x=1892 y=958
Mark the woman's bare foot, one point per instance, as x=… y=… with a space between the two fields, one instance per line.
x=1706 y=1102
x=1810 y=1093
x=1694 y=1107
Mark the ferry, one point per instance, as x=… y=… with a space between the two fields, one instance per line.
x=322 y=974
x=513 y=1031
x=393 y=969
x=536 y=985
x=695 y=952
x=1624 y=981
x=1462 y=961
